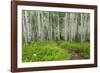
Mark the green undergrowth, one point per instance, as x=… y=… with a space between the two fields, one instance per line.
x=82 y=48
x=43 y=51
x=53 y=50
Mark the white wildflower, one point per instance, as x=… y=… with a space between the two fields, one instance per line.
x=34 y=54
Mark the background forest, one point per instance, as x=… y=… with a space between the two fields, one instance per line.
x=51 y=36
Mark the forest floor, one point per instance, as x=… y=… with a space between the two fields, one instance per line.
x=74 y=55
x=55 y=51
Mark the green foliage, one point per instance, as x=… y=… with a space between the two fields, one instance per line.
x=87 y=37
x=53 y=50
x=77 y=38
x=43 y=51
x=82 y=48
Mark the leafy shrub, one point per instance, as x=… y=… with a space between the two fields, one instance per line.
x=43 y=51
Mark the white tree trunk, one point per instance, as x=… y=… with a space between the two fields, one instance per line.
x=39 y=28
x=27 y=27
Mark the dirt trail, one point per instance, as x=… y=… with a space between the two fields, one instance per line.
x=74 y=55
